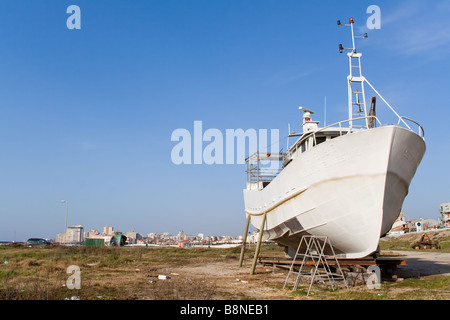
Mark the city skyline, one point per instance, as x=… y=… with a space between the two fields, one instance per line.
x=113 y=230
x=78 y=235
x=88 y=114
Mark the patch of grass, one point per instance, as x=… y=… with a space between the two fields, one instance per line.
x=404 y=242
x=394 y=244
x=445 y=245
x=40 y=273
x=4 y=274
x=426 y=283
x=34 y=288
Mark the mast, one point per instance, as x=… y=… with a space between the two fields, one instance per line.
x=356 y=98
x=359 y=80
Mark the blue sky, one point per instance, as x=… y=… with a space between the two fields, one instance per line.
x=87 y=115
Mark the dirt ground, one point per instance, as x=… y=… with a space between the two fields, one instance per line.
x=233 y=281
x=267 y=283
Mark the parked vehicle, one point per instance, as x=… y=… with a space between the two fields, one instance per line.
x=37 y=242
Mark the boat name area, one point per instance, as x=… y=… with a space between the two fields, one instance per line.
x=212 y=146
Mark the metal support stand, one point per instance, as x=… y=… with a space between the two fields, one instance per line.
x=320 y=269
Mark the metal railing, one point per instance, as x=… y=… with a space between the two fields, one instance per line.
x=313 y=135
x=257 y=173
x=421 y=131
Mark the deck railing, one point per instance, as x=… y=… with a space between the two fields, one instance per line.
x=342 y=130
x=257 y=174
x=305 y=137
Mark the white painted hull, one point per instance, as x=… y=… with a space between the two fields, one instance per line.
x=350 y=189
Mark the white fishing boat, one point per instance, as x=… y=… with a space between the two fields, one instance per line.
x=346 y=181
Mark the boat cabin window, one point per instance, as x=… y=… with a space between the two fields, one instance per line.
x=303 y=146
x=319 y=140
x=306 y=144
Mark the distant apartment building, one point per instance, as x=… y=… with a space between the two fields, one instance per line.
x=134 y=237
x=73 y=235
x=399 y=225
x=445 y=215
x=92 y=233
x=60 y=238
x=181 y=236
x=109 y=231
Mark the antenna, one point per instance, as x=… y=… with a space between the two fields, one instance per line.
x=350 y=24
x=325 y=113
x=306 y=115
x=306 y=110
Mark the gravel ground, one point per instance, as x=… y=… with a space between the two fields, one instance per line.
x=424 y=263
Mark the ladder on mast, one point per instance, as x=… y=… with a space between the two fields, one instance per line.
x=356 y=91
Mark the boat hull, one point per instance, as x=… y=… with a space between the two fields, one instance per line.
x=350 y=189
